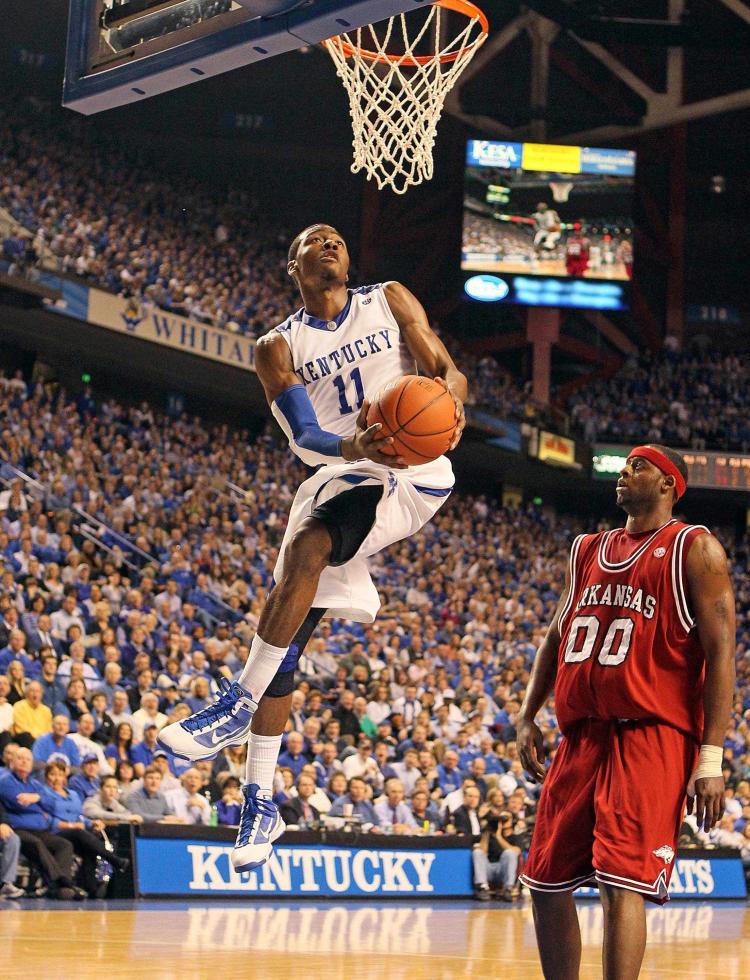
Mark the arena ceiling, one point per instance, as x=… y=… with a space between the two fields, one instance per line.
x=602 y=70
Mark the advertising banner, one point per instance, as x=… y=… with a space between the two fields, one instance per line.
x=200 y=867
x=556 y=449
x=148 y=322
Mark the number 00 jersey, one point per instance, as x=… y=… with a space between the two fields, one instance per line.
x=628 y=643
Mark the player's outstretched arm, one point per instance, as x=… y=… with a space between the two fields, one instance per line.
x=529 y=736
x=427 y=348
x=712 y=602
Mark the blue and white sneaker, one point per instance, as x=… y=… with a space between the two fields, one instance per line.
x=225 y=722
x=260 y=826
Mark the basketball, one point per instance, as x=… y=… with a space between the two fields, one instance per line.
x=419 y=414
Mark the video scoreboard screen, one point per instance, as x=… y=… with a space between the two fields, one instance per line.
x=548 y=225
x=707 y=470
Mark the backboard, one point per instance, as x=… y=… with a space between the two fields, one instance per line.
x=120 y=51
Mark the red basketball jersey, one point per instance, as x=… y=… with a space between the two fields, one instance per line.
x=628 y=643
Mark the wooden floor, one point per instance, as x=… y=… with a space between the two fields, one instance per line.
x=344 y=942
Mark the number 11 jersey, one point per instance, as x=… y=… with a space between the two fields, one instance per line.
x=629 y=647
x=343 y=361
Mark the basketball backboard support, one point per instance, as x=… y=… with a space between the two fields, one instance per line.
x=122 y=51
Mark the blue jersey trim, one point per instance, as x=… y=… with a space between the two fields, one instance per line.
x=318 y=324
x=434 y=491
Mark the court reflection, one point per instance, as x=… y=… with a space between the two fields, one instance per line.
x=378 y=942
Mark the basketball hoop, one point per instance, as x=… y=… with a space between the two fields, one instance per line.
x=396 y=97
x=561 y=190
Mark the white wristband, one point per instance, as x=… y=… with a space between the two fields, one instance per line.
x=709 y=764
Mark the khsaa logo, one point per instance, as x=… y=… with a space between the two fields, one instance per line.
x=486 y=289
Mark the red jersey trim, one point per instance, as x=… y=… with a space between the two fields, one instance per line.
x=571 y=593
x=678 y=576
x=559 y=886
x=658 y=888
x=619 y=566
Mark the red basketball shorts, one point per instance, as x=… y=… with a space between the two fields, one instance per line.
x=611 y=808
x=576 y=266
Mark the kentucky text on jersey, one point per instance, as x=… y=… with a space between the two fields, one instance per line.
x=333 y=361
x=623 y=596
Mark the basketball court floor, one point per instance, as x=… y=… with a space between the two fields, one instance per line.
x=346 y=941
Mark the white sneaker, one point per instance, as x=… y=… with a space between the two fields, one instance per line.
x=260 y=826
x=225 y=722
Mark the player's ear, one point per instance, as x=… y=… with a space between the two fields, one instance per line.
x=292 y=267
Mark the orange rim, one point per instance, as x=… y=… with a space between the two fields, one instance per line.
x=459 y=6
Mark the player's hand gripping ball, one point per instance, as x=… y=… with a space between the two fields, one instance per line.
x=418 y=414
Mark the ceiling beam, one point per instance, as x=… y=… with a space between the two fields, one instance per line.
x=738 y=8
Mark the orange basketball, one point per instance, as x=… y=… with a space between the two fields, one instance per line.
x=419 y=413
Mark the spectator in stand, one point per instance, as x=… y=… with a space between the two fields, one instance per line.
x=31 y=718
x=104 y=727
x=424 y=811
x=345 y=715
x=294 y=758
x=87 y=783
x=125 y=778
x=394 y=815
x=300 y=810
x=53 y=690
x=84 y=740
x=121 y=749
x=68 y=615
x=57 y=742
x=336 y=788
x=18 y=681
x=449 y=776
x=187 y=803
x=75 y=703
x=355 y=803
x=148 y=713
x=104 y=805
x=142 y=754
x=66 y=806
x=362 y=764
x=496 y=859
x=465 y=819
x=21 y=796
x=40 y=638
x=228 y=808
x=169 y=780
x=120 y=711
x=16 y=650
x=149 y=801
x=10 y=850
x=6 y=713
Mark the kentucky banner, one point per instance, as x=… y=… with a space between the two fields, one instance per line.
x=200 y=867
x=147 y=322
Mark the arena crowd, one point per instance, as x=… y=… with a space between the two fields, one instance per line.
x=135 y=555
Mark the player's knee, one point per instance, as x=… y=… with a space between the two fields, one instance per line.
x=550 y=903
x=308 y=551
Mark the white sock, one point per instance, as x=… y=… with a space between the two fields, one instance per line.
x=262 y=753
x=262 y=664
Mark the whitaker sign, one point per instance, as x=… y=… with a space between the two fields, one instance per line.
x=148 y=322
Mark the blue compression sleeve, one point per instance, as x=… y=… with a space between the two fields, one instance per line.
x=294 y=412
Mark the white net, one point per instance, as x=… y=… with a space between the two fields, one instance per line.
x=395 y=100
x=561 y=190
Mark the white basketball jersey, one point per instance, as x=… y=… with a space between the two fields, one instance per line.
x=343 y=361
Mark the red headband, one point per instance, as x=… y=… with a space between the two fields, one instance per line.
x=662 y=462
